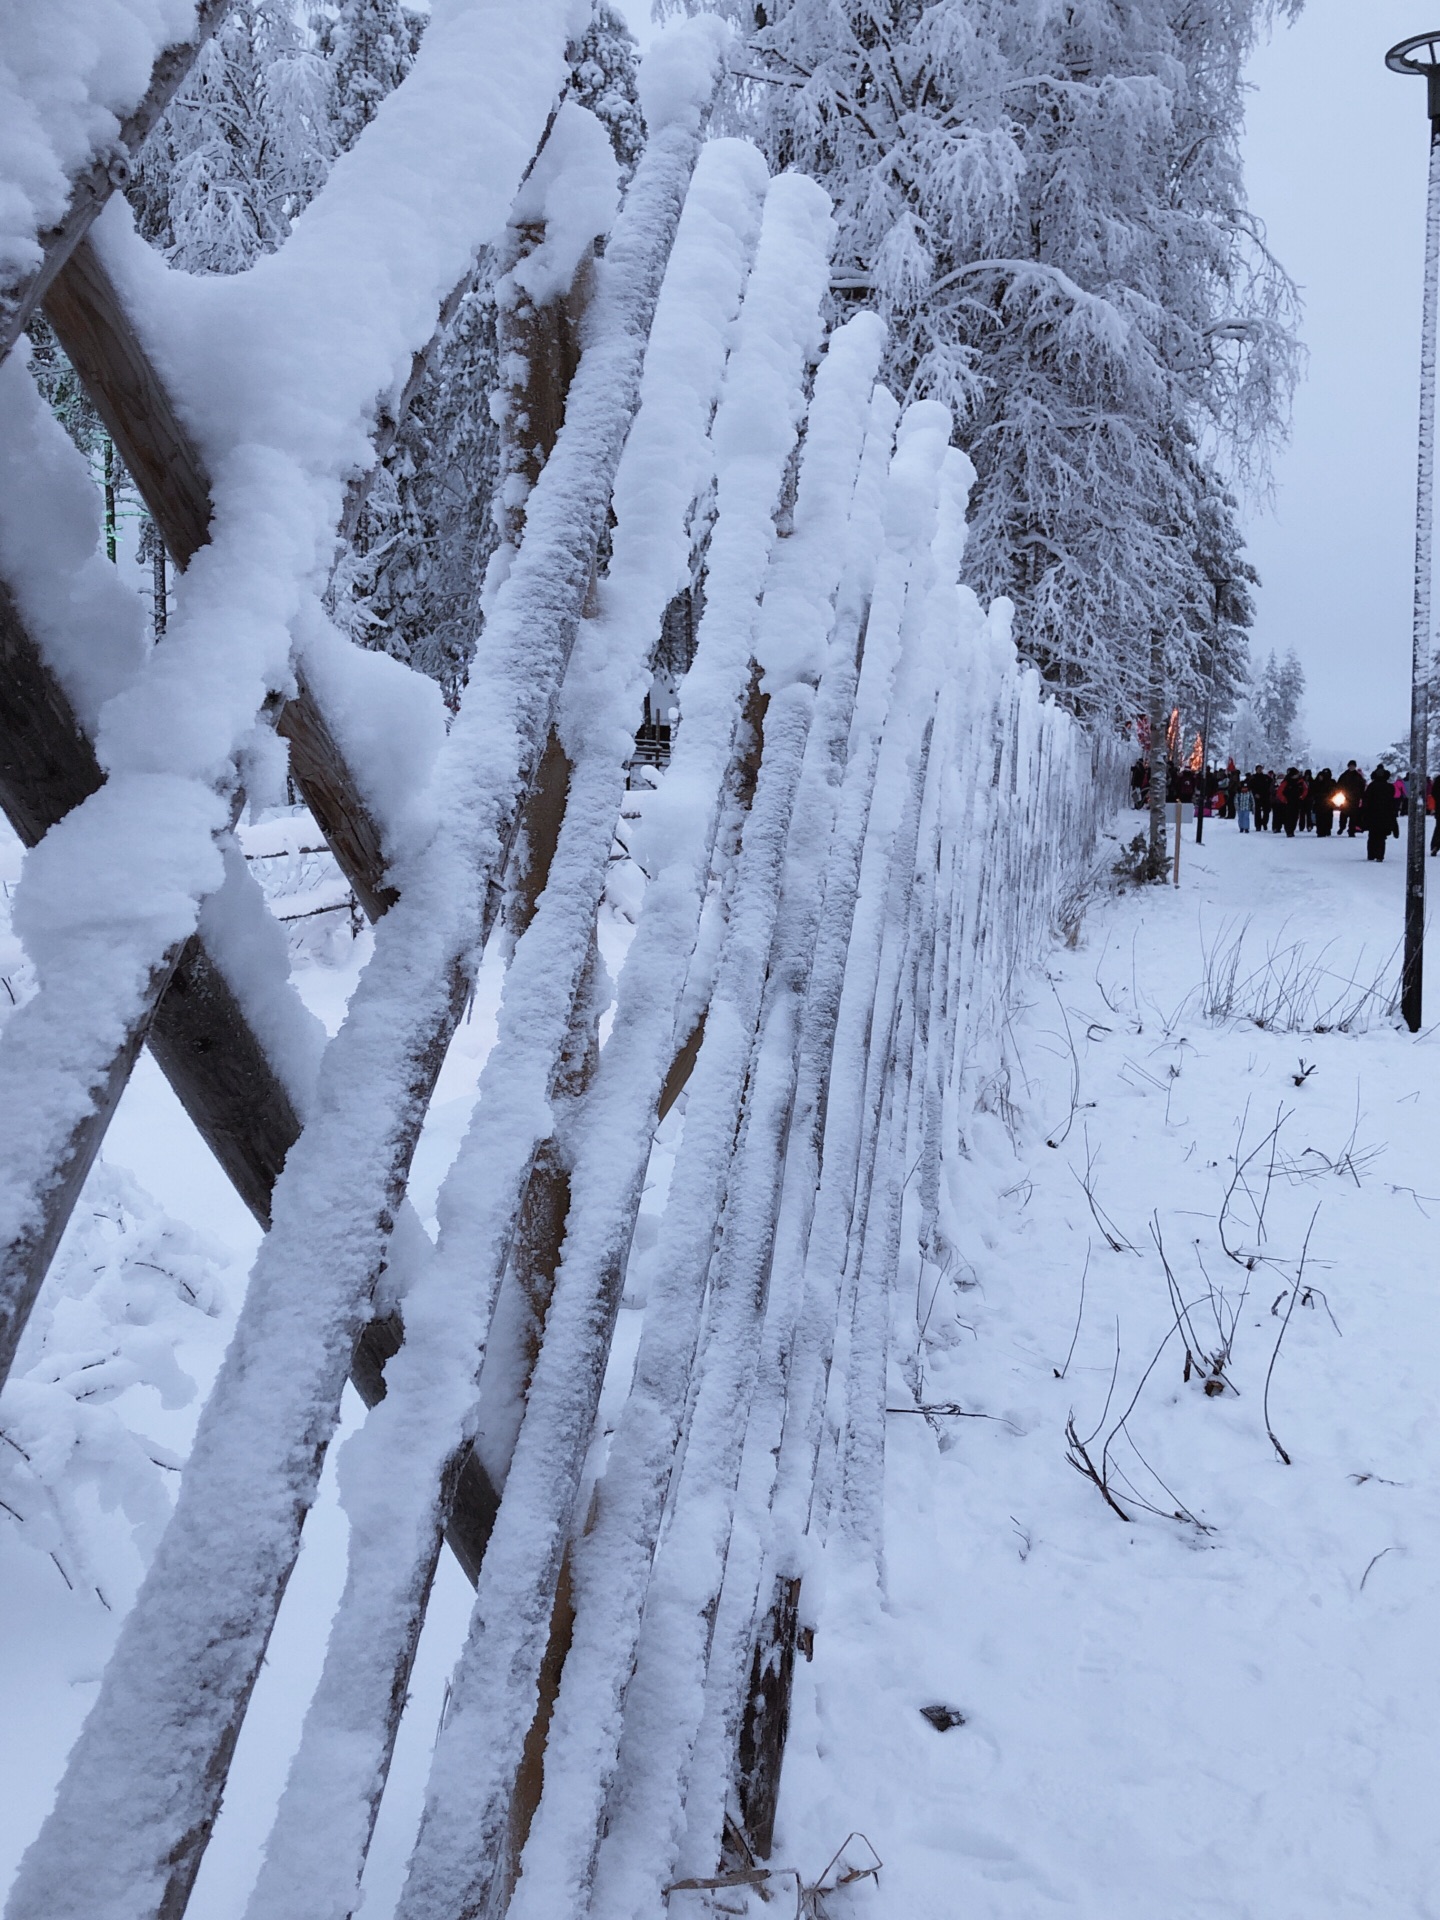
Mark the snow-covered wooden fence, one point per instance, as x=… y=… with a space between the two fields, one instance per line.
x=867 y=830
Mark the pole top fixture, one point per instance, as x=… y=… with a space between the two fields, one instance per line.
x=1420 y=54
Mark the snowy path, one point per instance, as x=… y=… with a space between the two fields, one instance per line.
x=1164 y=1719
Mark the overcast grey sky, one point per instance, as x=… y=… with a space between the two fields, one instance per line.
x=1336 y=153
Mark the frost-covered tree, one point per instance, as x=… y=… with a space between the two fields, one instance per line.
x=1276 y=703
x=243 y=147
x=602 y=78
x=1044 y=199
x=1214 y=664
x=369 y=47
x=410 y=582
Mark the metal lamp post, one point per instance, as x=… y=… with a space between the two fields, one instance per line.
x=1422 y=55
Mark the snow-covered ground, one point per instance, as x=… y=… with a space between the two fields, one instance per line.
x=1224 y=1704
x=1227 y=1713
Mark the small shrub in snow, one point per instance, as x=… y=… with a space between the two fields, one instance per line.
x=1293 y=988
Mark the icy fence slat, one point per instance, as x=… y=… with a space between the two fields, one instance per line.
x=612 y=1562
x=393 y=1474
x=463 y=1831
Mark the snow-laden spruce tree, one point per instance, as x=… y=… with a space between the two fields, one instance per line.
x=1214 y=660
x=602 y=78
x=369 y=47
x=1044 y=199
x=1277 y=707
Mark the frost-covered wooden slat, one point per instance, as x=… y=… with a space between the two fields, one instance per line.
x=822 y=847
x=875 y=1240
x=612 y=1561
x=818 y=1195
x=396 y=1481
x=22 y=286
x=897 y=1010
x=458 y=1852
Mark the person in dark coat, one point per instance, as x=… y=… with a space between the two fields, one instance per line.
x=1323 y=798
x=1289 y=799
x=1352 y=784
x=1277 y=801
x=1263 y=789
x=1381 y=814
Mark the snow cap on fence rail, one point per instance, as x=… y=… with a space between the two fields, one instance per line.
x=249 y=946
x=952 y=531
x=572 y=191
x=677 y=75
x=764 y=392
x=920 y=443
x=387 y=719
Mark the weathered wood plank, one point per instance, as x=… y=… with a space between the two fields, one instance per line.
x=765 y=1727
x=47 y=764
x=101 y=343
x=93 y=187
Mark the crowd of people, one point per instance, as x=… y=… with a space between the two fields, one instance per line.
x=1324 y=803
